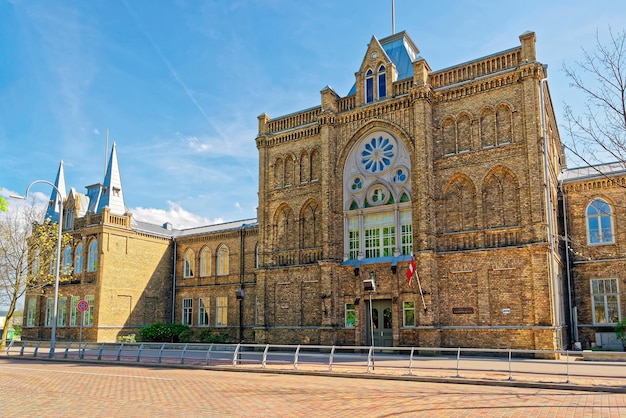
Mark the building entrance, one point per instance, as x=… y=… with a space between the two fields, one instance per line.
x=382 y=324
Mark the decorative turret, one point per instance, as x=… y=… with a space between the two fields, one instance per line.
x=52 y=213
x=111 y=195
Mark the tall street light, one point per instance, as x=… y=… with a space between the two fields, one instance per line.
x=58 y=260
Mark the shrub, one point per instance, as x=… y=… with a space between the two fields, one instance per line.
x=207 y=335
x=163 y=333
x=620 y=331
x=126 y=338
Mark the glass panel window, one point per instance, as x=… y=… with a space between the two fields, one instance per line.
x=74 y=311
x=369 y=87
x=188 y=266
x=49 y=311
x=88 y=318
x=599 y=223
x=92 y=256
x=62 y=315
x=203 y=313
x=187 y=311
x=409 y=313
x=407 y=239
x=78 y=259
x=605 y=301
x=350 y=315
x=372 y=243
x=354 y=244
x=205 y=262
x=36 y=266
x=30 y=316
x=221 y=311
x=382 y=83
x=67 y=260
x=222 y=261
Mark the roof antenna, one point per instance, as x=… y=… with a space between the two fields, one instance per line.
x=393 y=18
x=106 y=147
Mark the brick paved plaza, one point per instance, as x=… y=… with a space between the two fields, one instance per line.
x=56 y=389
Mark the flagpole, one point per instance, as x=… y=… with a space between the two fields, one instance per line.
x=420 y=287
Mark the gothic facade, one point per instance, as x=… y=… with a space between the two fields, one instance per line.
x=455 y=174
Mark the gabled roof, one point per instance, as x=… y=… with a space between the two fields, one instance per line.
x=401 y=51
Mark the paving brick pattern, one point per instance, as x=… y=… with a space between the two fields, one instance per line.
x=59 y=389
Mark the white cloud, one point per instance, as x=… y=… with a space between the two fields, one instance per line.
x=197 y=145
x=96 y=131
x=176 y=215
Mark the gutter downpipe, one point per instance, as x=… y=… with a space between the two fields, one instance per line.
x=573 y=327
x=173 y=282
x=553 y=279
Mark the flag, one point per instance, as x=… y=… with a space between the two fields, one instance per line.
x=410 y=271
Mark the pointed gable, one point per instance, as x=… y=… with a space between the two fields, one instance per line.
x=396 y=52
x=53 y=211
x=111 y=195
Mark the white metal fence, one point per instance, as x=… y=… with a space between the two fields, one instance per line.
x=539 y=366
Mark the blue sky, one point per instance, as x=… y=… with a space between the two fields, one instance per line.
x=179 y=84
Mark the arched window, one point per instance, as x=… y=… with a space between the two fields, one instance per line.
x=78 y=259
x=376 y=198
x=205 y=262
x=188 y=264
x=382 y=82
x=67 y=260
x=36 y=266
x=222 y=260
x=369 y=86
x=599 y=223
x=92 y=256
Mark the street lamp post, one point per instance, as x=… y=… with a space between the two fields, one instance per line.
x=53 y=336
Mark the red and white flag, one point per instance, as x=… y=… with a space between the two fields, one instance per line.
x=410 y=271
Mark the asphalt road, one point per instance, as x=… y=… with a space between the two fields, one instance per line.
x=33 y=388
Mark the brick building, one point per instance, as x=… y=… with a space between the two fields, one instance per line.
x=595 y=212
x=459 y=168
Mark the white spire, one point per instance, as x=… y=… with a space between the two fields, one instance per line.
x=112 y=195
x=52 y=213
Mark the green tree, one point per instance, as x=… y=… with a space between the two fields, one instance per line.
x=3 y=203
x=27 y=256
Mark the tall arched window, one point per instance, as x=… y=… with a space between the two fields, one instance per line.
x=382 y=82
x=599 y=223
x=67 y=260
x=92 y=256
x=205 y=262
x=369 y=86
x=36 y=263
x=377 y=198
x=222 y=260
x=78 y=259
x=188 y=264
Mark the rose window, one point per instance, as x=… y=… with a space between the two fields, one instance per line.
x=377 y=155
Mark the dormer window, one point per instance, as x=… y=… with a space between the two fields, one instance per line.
x=369 y=86
x=375 y=84
x=382 y=82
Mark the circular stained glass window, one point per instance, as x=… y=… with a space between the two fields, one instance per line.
x=377 y=154
x=357 y=184
x=399 y=175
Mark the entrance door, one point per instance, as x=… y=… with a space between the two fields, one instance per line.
x=382 y=323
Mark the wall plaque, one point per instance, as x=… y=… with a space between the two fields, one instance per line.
x=462 y=311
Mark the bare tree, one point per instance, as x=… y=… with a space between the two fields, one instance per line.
x=600 y=132
x=19 y=270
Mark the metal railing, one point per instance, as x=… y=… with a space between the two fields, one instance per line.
x=539 y=366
